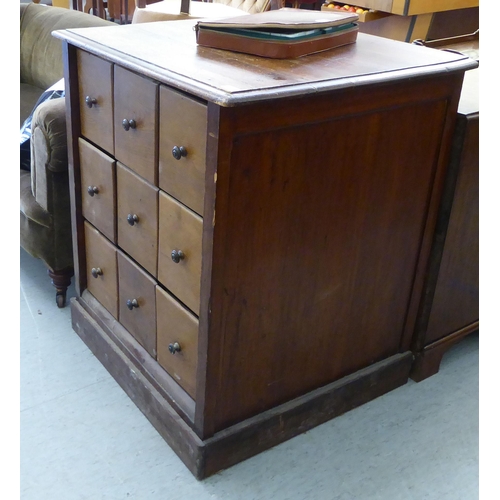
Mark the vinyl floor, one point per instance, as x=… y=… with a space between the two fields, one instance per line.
x=82 y=438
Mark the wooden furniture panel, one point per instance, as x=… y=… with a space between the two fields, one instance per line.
x=297 y=294
x=177 y=340
x=137 y=215
x=102 y=272
x=135 y=120
x=450 y=306
x=179 y=251
x=456 y=299
x=358 y=253
x=137 y=302
x=96 y=100
x=182 y=139
x=98 y=184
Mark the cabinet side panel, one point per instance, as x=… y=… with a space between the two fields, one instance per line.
x=456 y=298
x=323 y=232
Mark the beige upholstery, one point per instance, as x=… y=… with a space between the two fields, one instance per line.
x=169 y=10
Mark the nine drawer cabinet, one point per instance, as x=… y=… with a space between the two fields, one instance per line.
x=252 y=236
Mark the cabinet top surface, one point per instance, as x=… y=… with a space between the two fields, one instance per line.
x=167 y=51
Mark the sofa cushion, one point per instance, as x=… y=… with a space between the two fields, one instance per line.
x=41 y=61
x=29 y=206
x=28 y=97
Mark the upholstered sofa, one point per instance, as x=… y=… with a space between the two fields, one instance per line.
x=45 y=205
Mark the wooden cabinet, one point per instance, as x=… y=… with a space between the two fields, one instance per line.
x=450 y=305
x=290 y=208
x=409 y=20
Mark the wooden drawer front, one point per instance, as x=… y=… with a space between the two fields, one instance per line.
x=95 y=77
x=137 y=215
x=98 y=179
x=102 y=276
x=177 y=340
x=137 y=302
x=180 y=230
x=183 y=124
x=136 y=100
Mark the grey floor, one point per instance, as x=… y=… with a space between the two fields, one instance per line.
x=82 y=438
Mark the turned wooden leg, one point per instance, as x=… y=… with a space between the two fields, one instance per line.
x=61 y=280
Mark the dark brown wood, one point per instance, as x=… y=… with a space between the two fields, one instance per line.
x=136 y=197
x=175 y=324
x=73 y=129
x=456 y=298
x=61 y=279
x=98 y=172
x=136 y=285
x=101 y=256
x=204 y=458
x=182 y=403
x=185 y=6
x=180 y=229
x=428 y=360
x=319 y=211
x=139 y=389
x=220 y=77
x=334 y=288
x=450 y=302
x=95 y=78
x=275 y=426
x=453 y=23
x=136 y=98
x=183 y=123
x=218 y=139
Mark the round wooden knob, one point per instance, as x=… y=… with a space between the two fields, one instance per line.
x=177 y=255
x=92 y=190
x=90 y=101
x=128 y=124
x=174 y=348
x=96 y=272
x=132 y=219
x=178 y=152
x=132 y=303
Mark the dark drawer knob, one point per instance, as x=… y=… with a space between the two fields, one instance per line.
x=96 y=272
x=178 y=152
x=128 y=124
x=132 y=303
x=90 y=101
x=174 y=348
x=92 y=190
x=132 y=219
x=177 y=255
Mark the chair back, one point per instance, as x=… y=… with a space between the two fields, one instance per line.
x=250 y=6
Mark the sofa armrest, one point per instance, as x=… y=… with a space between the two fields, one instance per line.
x=49 y=152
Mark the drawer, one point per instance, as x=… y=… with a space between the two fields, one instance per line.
x=179 y=251
x=177 y=340
x=136 y=102
x=182 y=148
x=102 y=275
x=137 y=302
x=137 y=217
x=95 y=77
x=98 y=180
